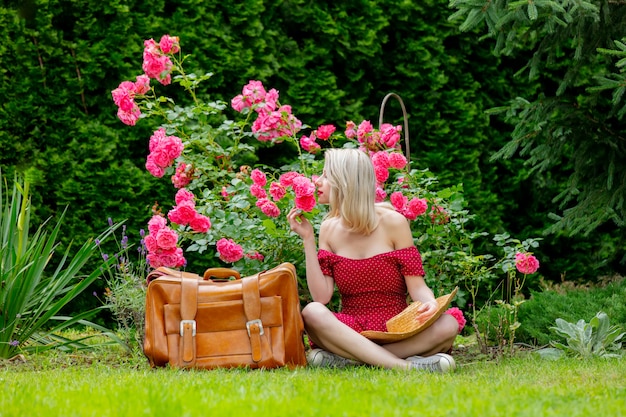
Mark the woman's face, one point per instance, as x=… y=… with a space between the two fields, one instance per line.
x=323 y=189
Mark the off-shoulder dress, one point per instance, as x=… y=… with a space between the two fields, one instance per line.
x=372 y=290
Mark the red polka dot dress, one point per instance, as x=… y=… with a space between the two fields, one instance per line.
x=372 y=290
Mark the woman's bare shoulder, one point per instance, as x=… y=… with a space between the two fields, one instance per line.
x=328 y=229
x=329 y=224
x=396 y=227
x=389 y=217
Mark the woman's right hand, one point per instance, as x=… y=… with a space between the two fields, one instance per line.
x=299 y=223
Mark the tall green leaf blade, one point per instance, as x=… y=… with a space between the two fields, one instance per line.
x=31 y=294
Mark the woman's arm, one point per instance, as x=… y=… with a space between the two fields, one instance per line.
x=419 y=291
x=320 y=286
x=400 y=233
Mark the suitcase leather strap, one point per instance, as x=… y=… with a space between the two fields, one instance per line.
x=188 y=309
x=252 y=309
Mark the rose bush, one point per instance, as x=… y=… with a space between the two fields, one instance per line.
x=229 y=204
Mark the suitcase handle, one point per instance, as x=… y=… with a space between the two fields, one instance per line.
x=221 y=274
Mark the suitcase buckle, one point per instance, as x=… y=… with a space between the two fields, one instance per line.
x=257 y=321
x=193 y=327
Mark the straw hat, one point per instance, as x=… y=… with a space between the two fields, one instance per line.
x=407 y=323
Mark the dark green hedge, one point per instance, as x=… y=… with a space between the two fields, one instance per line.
x=332 y=61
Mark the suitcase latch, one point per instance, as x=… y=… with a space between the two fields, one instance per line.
x=257 y=321
x=193 y=327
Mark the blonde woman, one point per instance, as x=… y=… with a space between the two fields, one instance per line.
x=367 y=250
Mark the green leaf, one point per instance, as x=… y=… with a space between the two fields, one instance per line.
x=532 y=10
x=551 y=353
x=270 y=227
x=474 y=17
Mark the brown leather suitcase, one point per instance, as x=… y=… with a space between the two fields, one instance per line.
x=215 y=322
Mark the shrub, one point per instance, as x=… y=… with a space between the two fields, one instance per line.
x=569 y=302
x=225 y=207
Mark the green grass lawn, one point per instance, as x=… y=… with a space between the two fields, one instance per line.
x=519 y=386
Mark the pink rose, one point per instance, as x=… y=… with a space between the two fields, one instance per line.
x=258 y=177
x=292 y=123
x=398 y=201
x=182 y=178
x=271 y=100
x=381 y=159
x=169 y=44
x=397 y=160
x=382 y=173
x=268 y=207
x=286 y=179
x=180 y=258
x=153 y=168
x=166 y=238
x=183 y=213
x=305 y=202
x=264 y=127
x=123 y=96
x=164 y=149
x=129 y=117
x=364 y=129
x=390 y=135
x=323 y=132
x=161 y=157
x=200 y=223
x=156 y=223
x=415 y=207
x=157 y=67
x=526 y=263
x=173 y=146
x=418 y=206
x=228 y=250
x=255 y=255
x=150 y=242
x=255 y=91
x=171 y=258
x=142 y=84
x=458 y=315
x=276 y=124
x=350 y=130
x=380 y=194
x=183 y=195
x=155 y=140
x=309 y=145
x=154 y=261
x=258 y=191
x=238 y=103
x=302 y=186
x=277 y=191
x=150 y=47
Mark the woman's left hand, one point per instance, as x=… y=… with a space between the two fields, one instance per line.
x=426 y=310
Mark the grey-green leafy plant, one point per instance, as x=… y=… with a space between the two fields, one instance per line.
x=596 y=338
x=32 y=290
x=125 y=290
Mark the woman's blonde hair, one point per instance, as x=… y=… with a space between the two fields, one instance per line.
x=352 y=180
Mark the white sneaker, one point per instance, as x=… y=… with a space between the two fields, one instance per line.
x=439 y=362
x=323 y=358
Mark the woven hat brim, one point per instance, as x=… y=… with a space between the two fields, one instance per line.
x=415 y=326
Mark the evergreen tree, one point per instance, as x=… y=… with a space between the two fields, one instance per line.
x=575 y=125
